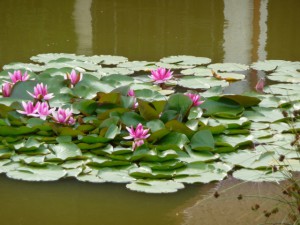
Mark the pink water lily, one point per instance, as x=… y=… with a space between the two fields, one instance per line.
x=17 y=76
x=195 y=98
x=73 y=77
x=64 y=116
x=43 y=110
x=138 y=133
x=137 y=143
x=161 y=75
x=29 y=109
x=41 y=92
x=132 y=94
x=6 y=89
x=259 y=87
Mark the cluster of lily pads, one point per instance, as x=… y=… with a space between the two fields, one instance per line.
x=155 y=126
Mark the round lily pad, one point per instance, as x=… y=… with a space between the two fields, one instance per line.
x=155 y=186
x=186 y=60
x=228 y=67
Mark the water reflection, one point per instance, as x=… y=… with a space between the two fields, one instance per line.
x=238 y=31
x=224 y=30
x=83 y=26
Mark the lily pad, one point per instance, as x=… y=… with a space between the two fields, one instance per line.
x=261 y=175
x=186 y=60
x=30 y=173
x=155 y=186
x=228 y=67
x=138 y=65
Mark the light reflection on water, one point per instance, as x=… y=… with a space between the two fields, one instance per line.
x=224 y=30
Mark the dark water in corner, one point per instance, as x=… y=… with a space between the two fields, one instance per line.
x=224 y=30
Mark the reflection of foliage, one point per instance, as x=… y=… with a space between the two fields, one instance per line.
x=188 y=143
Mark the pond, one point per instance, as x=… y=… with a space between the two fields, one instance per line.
x=225 y=31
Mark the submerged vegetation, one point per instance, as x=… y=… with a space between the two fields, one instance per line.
x=106 y=119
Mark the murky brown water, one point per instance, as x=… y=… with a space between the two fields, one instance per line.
x=224 y=30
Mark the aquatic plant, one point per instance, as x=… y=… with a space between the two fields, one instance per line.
x=41 y=92
x=195 y=98
x=83 y=136
x=6 y=89
x=18 y=76
x=161 y=75
x=74 y=77
x=64 y=116
x=29 y=109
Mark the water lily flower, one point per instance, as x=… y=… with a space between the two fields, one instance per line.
x=6 y=89
x=41 y=92
x=17 y=76
x=64 y=116
x=43 y=110
x=137 y=143
x=161 y=75
x=138 y=133
x=132 y=94
x=29 y=109
x=259 y=87
x=73 y=77
x=195 y=98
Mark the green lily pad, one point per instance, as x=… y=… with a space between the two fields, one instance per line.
x=138 y=65
x=30 y=173
x=260 y=175
x=186 y=60
x=228 y=67
x=270 y=65
x=193 y=82
x=66 y=150
x=198 y=71
x=110 y=71
x=116 y=175
x=24 y=66
x=222 y=107
x=155 y=186
x=203 y=140
x=231 y=76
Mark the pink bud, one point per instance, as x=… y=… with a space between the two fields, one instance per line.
x=195 y=98
x=6 y=89
x=259 y=87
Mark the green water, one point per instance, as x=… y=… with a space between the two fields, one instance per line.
x=224 y=30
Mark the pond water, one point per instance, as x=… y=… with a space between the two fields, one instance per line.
x=223 y=30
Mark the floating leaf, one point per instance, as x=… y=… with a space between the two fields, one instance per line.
x=138 y=65
x=260 y=175
x=192 y=82
x=116 y=175
x=269 y=65
x=222 y=107
x=30 y=173
x=228 y=67
x=66 y=150
x=230 y=76
x=186 y=60
x=198 y=71
x=155 y=186
x=203 y=140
